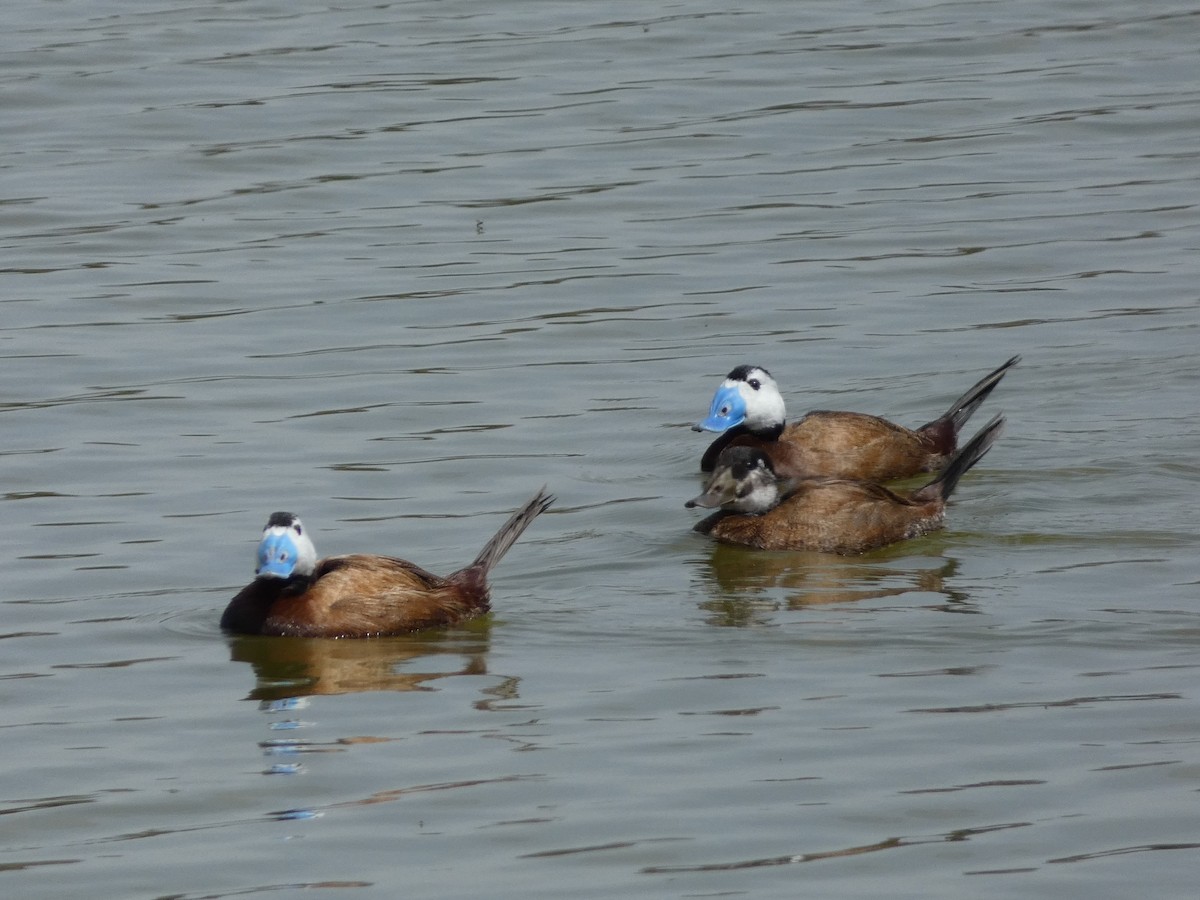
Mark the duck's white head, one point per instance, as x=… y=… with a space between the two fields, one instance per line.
x=285 y=550
x=743 y=481
x=748 y=396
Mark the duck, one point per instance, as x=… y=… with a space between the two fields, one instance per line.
x=755 y=508
x=360 y=595
x=748 y=410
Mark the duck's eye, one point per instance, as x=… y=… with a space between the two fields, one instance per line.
x=299 y=531
x=754 y=383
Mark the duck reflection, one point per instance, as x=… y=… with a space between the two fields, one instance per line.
x=300 y=667
x=738 y=579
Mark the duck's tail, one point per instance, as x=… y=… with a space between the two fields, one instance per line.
x=475 y=575
x=943 y=486
x=945 y=428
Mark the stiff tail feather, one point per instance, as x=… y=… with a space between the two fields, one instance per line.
x=964 y=407
x=972 y=452
x=503 y=539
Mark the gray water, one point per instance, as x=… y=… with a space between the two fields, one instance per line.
x=394 y=266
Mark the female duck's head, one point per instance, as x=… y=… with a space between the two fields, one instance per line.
x=285 y=550
x=748 y=396
x=743 y=481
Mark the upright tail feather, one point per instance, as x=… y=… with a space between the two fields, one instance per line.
x=503 y=539
x=964 y=407
x=943 y=486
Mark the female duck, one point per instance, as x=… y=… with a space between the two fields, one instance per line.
x=294 y=593
x=830 y=514
x=748 y=408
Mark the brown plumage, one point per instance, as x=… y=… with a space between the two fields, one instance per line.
x=847 y=444
x=361 y=595
x=834 y=515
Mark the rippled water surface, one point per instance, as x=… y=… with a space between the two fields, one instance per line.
x=396 y=265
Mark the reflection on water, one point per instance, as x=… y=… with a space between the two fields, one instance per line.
x=298 y=667
x=744 y=582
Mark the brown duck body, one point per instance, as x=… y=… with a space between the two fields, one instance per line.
x=846 y=445
x=356 y=595
x=834 y=515
x=839 y=444
x=361 y=595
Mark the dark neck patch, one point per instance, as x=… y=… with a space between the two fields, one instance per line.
x=769 y=434
x=709 y=459
x=708 y=523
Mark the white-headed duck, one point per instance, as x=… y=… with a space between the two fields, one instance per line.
x=835 y=515
x=360 y=595
x=749 y=410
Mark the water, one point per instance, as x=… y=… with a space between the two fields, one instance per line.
x=395 y=266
